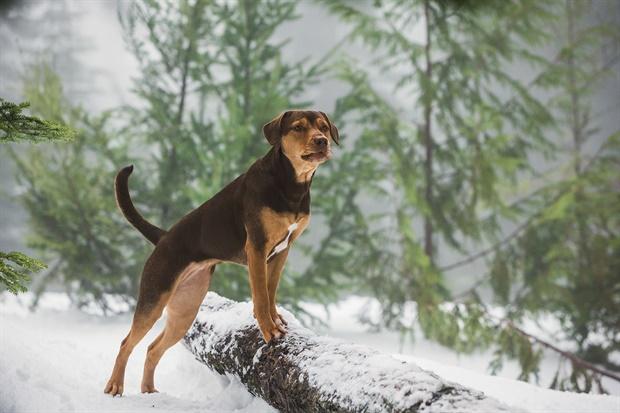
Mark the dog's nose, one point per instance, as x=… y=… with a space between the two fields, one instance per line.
x=320 y=141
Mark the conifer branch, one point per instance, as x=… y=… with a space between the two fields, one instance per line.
x=16 y=126
x=15 y=268
x=523 y=226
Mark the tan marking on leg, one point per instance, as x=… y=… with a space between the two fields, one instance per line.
x=264 y=277
x=274 y=269
x=142 y=322
x=257 y=268
x=181 y=312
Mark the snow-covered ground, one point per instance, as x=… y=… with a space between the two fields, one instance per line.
x=58 y=360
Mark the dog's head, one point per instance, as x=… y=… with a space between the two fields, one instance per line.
x=303 y=135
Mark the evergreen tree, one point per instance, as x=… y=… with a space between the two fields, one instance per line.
x=172 y=42
x=234 y=81
x=457 y=129
x=69 y=197
x=211 y=76
x=16 y=126
x=31 y=32
x=566 y=259
x=450 y=165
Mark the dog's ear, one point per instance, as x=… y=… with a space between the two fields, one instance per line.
x=273 y=129
x=333 y=130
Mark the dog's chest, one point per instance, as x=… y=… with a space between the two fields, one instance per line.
x=281 y=230
x=281 y=246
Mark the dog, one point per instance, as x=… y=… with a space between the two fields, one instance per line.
x=252 y=221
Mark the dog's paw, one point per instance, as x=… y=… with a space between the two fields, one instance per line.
x=114 y=387
x=278 y=319
x=272 y=331
x=281 y=326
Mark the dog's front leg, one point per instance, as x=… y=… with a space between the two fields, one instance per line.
x=257 y=266
x=274 y=271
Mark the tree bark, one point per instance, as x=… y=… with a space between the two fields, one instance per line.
x=310 y=373
x=577 y=125
x=428 y=139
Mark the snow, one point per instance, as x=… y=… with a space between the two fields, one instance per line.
x=369 y=377
x=58 y=360
x=517 y=393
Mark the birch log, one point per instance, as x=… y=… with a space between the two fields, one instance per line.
x=303 y=372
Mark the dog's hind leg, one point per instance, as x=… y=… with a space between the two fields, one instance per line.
x=143 y=320
x=181 y=311
x=157 y=282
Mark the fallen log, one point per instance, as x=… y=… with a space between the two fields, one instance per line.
x=303 y=372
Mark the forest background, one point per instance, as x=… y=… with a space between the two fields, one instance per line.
x=475 y=193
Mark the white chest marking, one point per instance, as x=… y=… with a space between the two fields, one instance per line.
x=282 y=245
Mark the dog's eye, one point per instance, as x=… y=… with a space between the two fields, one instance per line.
x=298 y=128
x=323 y=128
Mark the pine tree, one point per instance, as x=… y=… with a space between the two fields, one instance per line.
x=237 y=80
x=456 y=130
x=455 y=160
x=16 y=126
x=69 y=197
x=211 y=76
x=172 y=42
x=566 y=260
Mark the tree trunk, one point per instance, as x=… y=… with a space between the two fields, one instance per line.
x=576 y=118
x=310 y=373
x=428 y=139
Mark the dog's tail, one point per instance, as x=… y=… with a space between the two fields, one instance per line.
x=123 y=200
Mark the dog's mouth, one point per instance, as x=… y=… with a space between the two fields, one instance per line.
x=316 y=156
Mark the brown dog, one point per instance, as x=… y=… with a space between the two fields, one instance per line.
x=252 y=221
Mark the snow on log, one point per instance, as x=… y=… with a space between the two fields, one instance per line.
x=310 y=373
